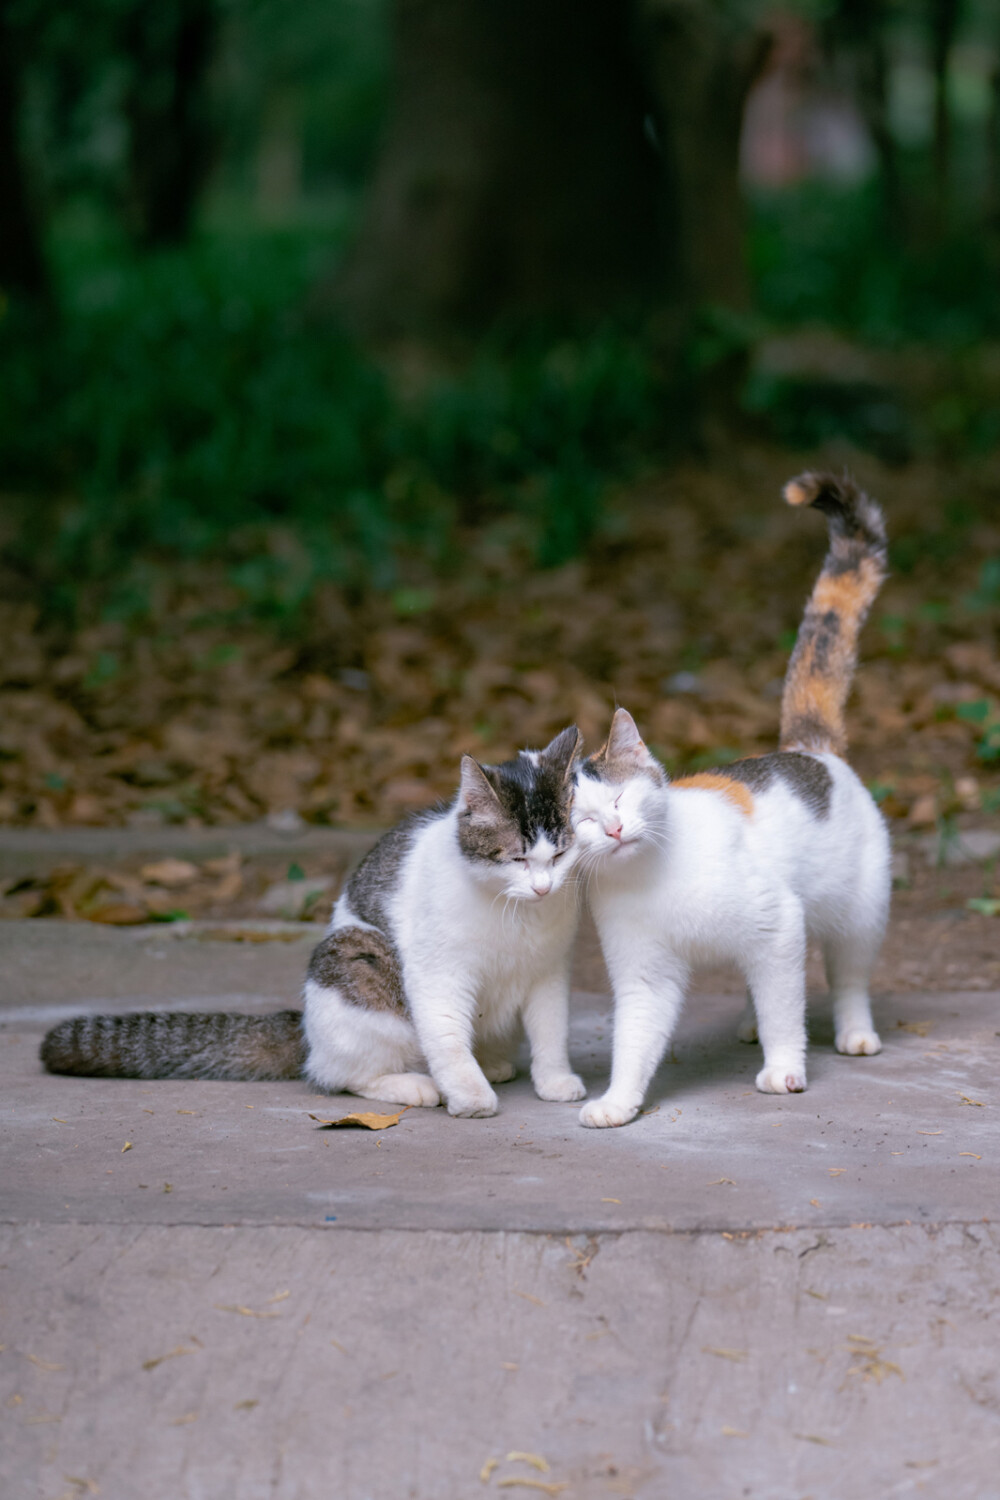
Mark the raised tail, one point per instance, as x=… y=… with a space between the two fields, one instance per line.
x=819 y=674
x=178 y=1044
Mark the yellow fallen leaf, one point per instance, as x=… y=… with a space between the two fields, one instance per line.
x=836 y=1171
x=734 y=1432
x=58 y=1121
x=534 y=1459
x=528 y=1297
x=169 y=872
x=547 y=1488
x=736 y=1355
x=979 y=1103
x=611 y=1200
x=720 y=1180
x=245 y=1312
x=930 y=1132
x=151 y=1364
x=43 y=1364
x=278 y=1297
x=127 y=1147
x=820 y=1296
x=812 y=1437
x=364 y=1119
x=187 y=1111
x=976 y=1154
x=245 y=1405
x=487 y=1469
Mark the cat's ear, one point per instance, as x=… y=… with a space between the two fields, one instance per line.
x=563 y=751
x=476 y=792
x=625 y=746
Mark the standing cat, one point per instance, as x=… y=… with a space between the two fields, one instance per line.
x=457 y=926
x=743 y=863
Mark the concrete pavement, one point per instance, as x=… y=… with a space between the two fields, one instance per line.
x=737 y=1295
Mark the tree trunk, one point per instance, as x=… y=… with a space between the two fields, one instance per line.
x=22 y=264
x=516 y=177
x=944 y=24
x=169 y=45
x=701 y=61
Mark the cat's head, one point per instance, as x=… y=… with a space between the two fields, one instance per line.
x=514 y=824
x=618 y=807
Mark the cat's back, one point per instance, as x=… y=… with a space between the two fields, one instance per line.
x=371 y=896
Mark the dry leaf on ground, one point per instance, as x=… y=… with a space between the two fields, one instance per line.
x=534 y=1459
x=364 y=1119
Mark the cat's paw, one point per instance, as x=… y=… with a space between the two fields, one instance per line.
x=782 y=1080
x=472 y=1103
x=858 y=1041
x=499 y=1072
x=746 y=1031
x=416 y=1090
x=598 y=1114
x=560 y=1088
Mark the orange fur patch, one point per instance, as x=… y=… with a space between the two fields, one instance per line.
x=718 y=781
x=797 y=494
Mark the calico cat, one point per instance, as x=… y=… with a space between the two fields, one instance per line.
x=744 y=863
x=454 y=929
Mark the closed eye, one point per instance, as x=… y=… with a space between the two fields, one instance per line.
x=589 y=819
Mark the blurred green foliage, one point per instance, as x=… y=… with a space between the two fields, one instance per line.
x=184 y=404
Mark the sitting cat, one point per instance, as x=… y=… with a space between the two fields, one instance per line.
x=457 y=926
x=743 y=863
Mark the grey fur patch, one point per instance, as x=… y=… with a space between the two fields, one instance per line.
x=807 y=777
x=377 y=876
x=363 y=966
x=178 y=1044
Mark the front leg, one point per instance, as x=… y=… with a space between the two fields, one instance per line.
x=546 y=1020
x=648 y=1000
x=443 y=1016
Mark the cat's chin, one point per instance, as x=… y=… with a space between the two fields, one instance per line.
x=624 y=848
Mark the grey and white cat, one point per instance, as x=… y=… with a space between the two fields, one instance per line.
x=455 y=929
x=744 y=863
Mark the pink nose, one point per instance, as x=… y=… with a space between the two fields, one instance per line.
x=613 y=830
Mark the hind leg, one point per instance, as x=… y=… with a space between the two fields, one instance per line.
x=495 y=1055
x=849 y=961
x=415 y=1089
x=776 y=976
x=746 y=1031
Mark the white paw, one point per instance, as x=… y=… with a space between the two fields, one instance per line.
x=781 y=1080
x=858 y=1041
x=561 y=1088
x=472 y=1104
x=746 y=1031
x=599 y=1113
x=499 y=1072
x=415 y=1089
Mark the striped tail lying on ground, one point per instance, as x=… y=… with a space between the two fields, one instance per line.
x=819 y=674
x=178 y=1044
